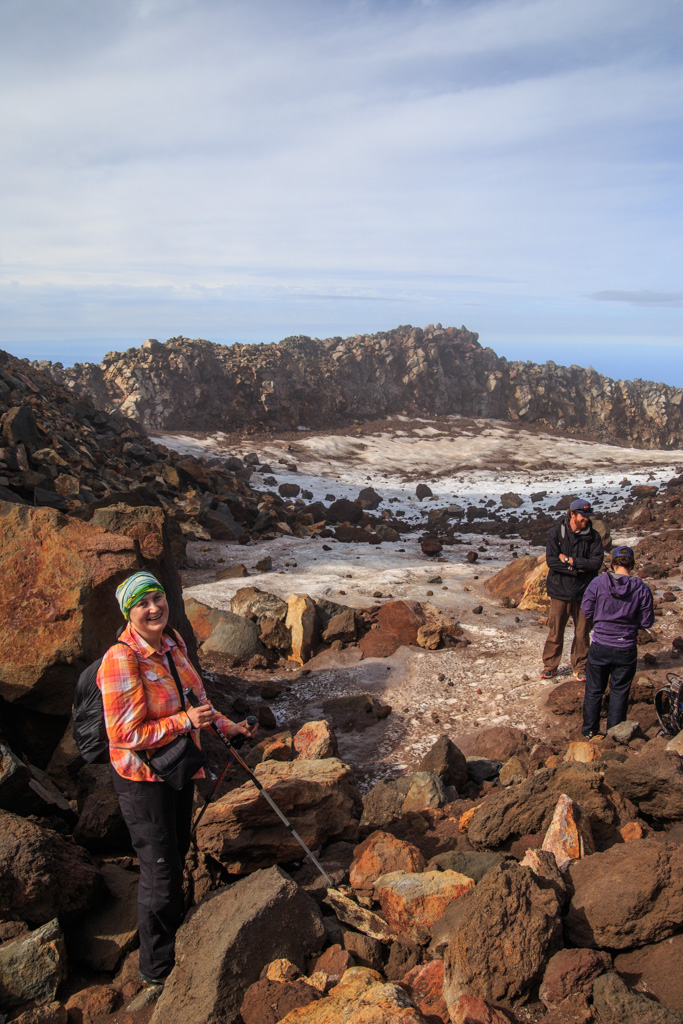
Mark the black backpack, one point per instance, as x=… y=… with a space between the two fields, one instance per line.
x=87 y=715
x=669 y=705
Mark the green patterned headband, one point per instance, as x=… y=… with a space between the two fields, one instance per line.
x=134 y=589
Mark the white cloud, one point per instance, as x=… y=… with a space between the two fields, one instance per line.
x=196 y=150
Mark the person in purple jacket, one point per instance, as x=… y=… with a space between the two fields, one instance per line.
x=619 y=605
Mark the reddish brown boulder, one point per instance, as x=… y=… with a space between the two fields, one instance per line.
x=412 y=903
x=58 y=611
x=318 y=797
x=425 y=985
x=315 y=740
x=649 y=970
x=497 y=742
x=91 y=1002
x=267 y=1002
x=379 y=643
x=627 y=896
x=570 y=974
x=380 y=854
x=527 y=809
x=494 y=952
x=511 y=581
x=402 y=618
x=474 y=1010
x=42 y=875
x=446 y=761
x=652 y=779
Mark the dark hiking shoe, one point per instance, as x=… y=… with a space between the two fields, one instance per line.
x=146 y=996
x=548 y=673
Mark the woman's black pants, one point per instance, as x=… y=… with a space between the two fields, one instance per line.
x=613 y=665
x=159 y=820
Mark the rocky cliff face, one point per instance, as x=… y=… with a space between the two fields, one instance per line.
x=198 y=385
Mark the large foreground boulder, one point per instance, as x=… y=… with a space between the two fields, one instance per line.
x=627 y=896
x=319 y=798
x=502 y=935
x=43 y=875
x=224 y=945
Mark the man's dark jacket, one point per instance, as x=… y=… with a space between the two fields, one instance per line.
x=567 y=583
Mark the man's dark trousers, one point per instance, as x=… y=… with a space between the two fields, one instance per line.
x=613 y=665
x=559 y=614
x=159 y=820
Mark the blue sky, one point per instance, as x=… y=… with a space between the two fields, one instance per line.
x=247 y=170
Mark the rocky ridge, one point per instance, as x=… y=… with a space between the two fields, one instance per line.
x=198 y=385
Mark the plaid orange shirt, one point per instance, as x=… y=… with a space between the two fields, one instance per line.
x=142 y=709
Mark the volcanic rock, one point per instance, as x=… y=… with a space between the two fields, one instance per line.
x=267 y=1002
x=238 y=931
x=106 y=934
x=617 y=1004
x=32 y=967
x=626 y=896
x=649 y=970
x=446 y=761
x=380 y=854
x=318 y=797
x=361 y=995
x=302 y=622
x=652 y=779
x=412 y=902
x=43 y=875
x=315 y=740
x=569 y=977
x=258 y=605
x=495 y=952
x=527 y=809
x=58 y=611
x=192 y=385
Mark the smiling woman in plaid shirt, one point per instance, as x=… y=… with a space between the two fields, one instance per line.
x=143 y=712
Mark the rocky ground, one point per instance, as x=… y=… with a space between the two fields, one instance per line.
x=488 y=864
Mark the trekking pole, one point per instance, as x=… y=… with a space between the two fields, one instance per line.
x=251 y=721
x=193 y=699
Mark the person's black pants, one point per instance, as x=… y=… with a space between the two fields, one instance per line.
x=159 y=820
x=613 y=665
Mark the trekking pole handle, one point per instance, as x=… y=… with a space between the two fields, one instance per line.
x=236 y=741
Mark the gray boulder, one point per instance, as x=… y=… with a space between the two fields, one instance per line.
x=617 y=1004
x=32 y=967
x=447 y=761
x=225 y=943
x=233 y=637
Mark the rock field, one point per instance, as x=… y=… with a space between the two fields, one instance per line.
x=489 y=864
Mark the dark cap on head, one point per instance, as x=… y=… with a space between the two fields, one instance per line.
x=623 y=551
x=581 y=505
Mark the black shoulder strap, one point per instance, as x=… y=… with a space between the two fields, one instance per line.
x=176 y=677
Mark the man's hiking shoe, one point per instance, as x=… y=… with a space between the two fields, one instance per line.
x=580 y=675
x=548 y=673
